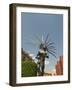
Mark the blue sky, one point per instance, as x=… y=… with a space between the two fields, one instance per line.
x=38 y=24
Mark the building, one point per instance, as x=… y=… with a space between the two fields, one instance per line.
x=59 y=66
x=25 y=55
x=50 y=73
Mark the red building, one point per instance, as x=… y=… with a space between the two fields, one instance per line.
x=59 y=66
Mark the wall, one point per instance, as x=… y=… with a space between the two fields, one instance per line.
x=59 y=66
x=4 y=45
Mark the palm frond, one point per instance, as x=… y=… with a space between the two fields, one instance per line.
x=51 y=47
x=42 y=39
x=51 y=43
x=38 y=38
x=48 y=41
x=46 y=38
x=52 y=53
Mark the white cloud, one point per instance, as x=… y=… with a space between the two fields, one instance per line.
x=31 y=55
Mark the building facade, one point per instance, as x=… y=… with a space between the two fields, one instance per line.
x=59 y=66
x=25 y=55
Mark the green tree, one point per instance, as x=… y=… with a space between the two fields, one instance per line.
x=29 y=68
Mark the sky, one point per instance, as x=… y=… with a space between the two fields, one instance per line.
x=35 y=25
